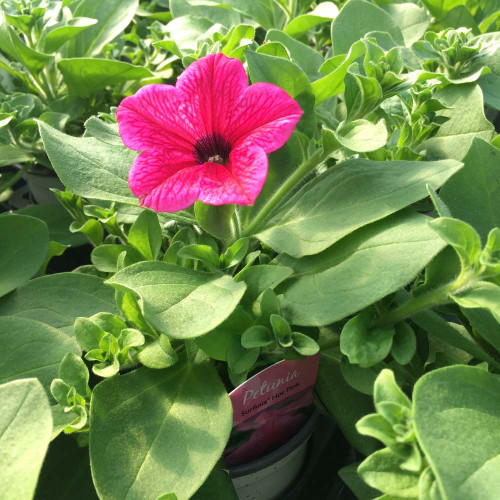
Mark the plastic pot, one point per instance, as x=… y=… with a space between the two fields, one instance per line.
x=269 y=477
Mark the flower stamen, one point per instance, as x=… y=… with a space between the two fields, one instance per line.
x=212 y=148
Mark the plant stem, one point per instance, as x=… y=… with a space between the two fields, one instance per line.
x=434 y=298
x=298 y=175
x=15 y=178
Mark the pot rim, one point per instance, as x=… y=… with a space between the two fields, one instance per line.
x=261 y=463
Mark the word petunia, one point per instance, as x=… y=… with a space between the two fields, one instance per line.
x=206 y=138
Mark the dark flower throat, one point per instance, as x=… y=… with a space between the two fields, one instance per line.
x=212 y=147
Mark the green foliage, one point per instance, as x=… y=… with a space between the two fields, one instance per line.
x=25 y=427
x=152 y=462
x=477 y=181
x=57 y=300
x=23 y=250
x=206 y=299
x=370 y=263
x=288 y=76
x=338 y=254
x=89 y=167
x=20 y=359
x=456 y=412
x=332 y=201
x=108 y=341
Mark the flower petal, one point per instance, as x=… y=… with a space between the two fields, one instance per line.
x=165 y=180
x=239 y=181
x=155 y=117
x=211 y=88
x=266 y=115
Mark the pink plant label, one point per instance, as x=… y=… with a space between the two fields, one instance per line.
x=275 y=384
x=270 y=408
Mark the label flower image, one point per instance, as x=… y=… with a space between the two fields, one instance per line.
x=206 y=138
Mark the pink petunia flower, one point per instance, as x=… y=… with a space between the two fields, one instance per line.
x=206 y=138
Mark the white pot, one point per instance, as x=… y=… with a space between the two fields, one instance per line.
x=269 y=477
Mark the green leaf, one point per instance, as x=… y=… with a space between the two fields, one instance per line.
x=304 y=344
x=240 y=359
x=85 y=76
x=466 y=121
x=438 y=328
x=485 y=324
x=61 y=33
x=386 y=389
x=217 y=485
x=356 y=19
x=306 y=57
x=179 y=302
x=365 y=267
x=216 y=342
x=438 y=8
x=159 y=354
x=442 y=270
x=58 y=221
x=440 y=207
x=281 y=329
x=478 y=182
x=490 y=83
x=350 y=477
x=215 y=220
x=361 y=95
x=65 y=459
x=203 y=253
x=404 y=344
x=256 y=336
x=32 y=349
x=382 y=470
x=344 y=404
x=13 y=154
x=362 y=345
x=105 y=132
x=106 y=257
x=298 y=26
x=462 y=237
x=25 y=242
x=282 y=164
x=112 y=18
x=333 y=83
x=74 y=372
x=412 y=20
x=145 y=234
x=12 y=45
x=89 y=167
x=457 y=421
x=361 y=379
x=25 y=430
x=376 y=426
x=236 y=252
x=91 y=228
x=289 y=77
x=362 y=135
x=184 y=31
x=330 y=206
x=109 y=323
x=88 y=334
x=171 y=445
x=483 y=294
x=275 y=49
x=259 y=278
x=59 y=299
x=240 y=33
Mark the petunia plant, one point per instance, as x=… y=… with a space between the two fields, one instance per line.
x=299 y=178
